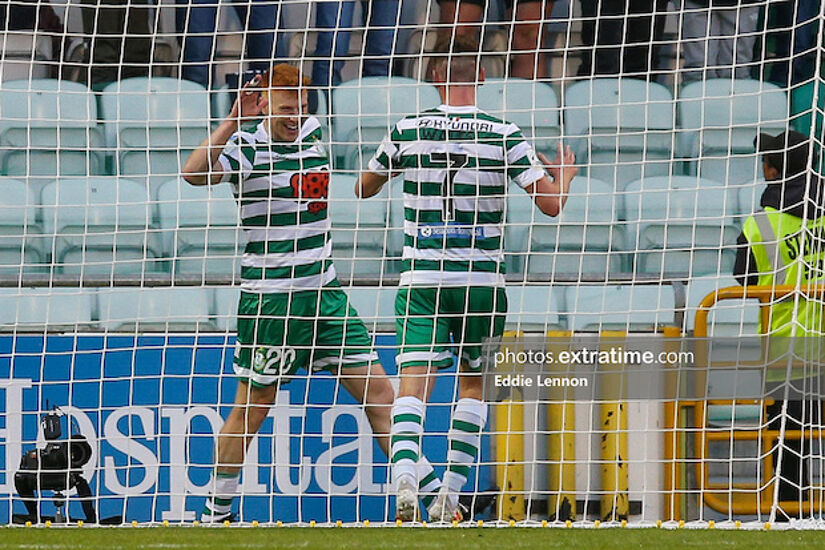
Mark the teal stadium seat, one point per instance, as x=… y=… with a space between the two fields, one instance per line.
x=734 y=326
x=200 y=227
x=728 y=318
x=532 y=308
x=522 y=218
x=621 y=129
x=749 y=196
x=38 y=309
x=584 y=238
x=324 y=117
x=359 y=229
x=630 y=308
x=21 y=245
x=718 y=121
x=681 y=225
x=220 y=104
x=100 y=225
x=48 y=128
x=375 y=306
x=158 y=309
x=530 y=105
x=226 y=308
x=365 y=109
x=152 y=124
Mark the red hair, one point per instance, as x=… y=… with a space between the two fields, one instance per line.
x=284 y=76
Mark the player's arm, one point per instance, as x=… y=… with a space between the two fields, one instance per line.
x=203 y=167
x=380 y=168
x=369 y=184
x=550 y=193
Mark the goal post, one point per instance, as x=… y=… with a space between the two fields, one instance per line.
x=633 y=384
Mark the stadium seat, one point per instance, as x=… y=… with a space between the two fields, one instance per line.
x=156 y=309
x=718 y=121
x=226 y=307
x=49 y=128
x=522 y=217
x=100 y=225
x=728 y=318
x=375 y=306
x=221 y=104
x=749 y=196
x=38 y=309
x=621 y=129
x=359 y=230
x=200 y=227
x=24 y=54
x=680 y=225
x=802 y=107
x=153 y=124
x=584 y=238
x=631 y=308
x=532 y=308
x=530 y=105
x=365 y=109
x=728 y=322
x=20 y=244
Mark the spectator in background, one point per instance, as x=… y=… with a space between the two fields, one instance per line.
x=793 y=27
x=622 y=37
x=119 y=40
x=30 y=15
x=460 y=17
x=527 y=20
x=718 y=37
x=196 y=21
x=381 y=20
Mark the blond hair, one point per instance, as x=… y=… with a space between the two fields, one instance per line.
x=456 y=58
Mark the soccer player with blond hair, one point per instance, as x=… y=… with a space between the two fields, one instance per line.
x=456 y=161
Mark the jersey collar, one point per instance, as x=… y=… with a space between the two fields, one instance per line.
x=458 y=108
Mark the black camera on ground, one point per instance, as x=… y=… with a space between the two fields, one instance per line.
x=57 y=467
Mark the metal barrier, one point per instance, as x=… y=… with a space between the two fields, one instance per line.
x=759 y=498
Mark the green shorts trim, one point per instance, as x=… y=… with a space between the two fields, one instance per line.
x=430 y=322
x=280 y=333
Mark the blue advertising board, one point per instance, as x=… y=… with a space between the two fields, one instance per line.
x=151 y=405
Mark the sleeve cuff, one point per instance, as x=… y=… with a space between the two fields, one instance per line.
x=227 y=169
x=529 y=176
x=375 y=166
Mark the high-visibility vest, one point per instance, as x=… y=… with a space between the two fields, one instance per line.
x=789 y=252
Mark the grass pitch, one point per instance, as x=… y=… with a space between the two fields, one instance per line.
x=394 y=539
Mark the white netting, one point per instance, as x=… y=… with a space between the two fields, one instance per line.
x=120 y=281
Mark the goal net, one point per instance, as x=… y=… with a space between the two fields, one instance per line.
x=635 y=380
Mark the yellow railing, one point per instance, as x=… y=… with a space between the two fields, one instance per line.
x=751 y=498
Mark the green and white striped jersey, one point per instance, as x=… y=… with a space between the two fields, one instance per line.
x=282 y=191
x=456 y=162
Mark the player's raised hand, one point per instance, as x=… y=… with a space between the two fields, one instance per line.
x=250 y=102
x=563 y=167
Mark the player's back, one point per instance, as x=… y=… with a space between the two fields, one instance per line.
x=456 y=162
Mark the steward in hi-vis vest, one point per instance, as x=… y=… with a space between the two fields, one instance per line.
x=784 y=244
x=786 y=239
